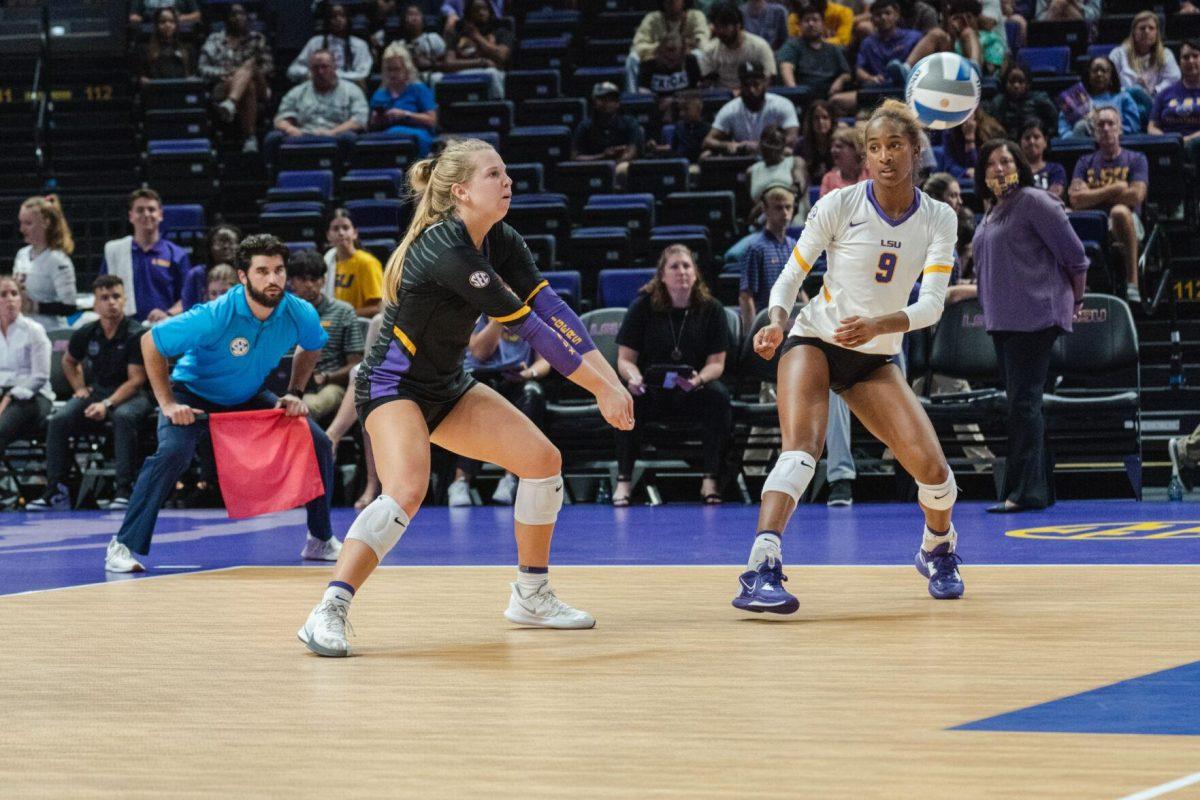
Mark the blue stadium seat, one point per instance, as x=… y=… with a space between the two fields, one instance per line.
x=175 y=94
x=658 y=176
x=593 y=249
x=549 y=22
x=1090 y=226
x=379 y=218
x=814 y=194
x=383 y=153
x=372 y=184
x=713 y=209
x=1168 y=180
x=301 y=221
x=584 y=78
x=308 y=156
x=633 y=212
x=491 y=137
x=176 y=123
x=298 y=247
x=1012 y=34
x=549 y=52
x=618 y=287
x=799 y=95
x=545 y=144
x=1045 y=60
x=543 y=213
x=1073 y=33
x=642 y=107
x=381 y=247
x=543 y=247
x=302 y=185
x=569 y=111
x=457 y=88
x=578 y=180
x=605 y=52
x=567 y=284
x=1068 y=151
x=528 y=84
x=527 y=178
x=727 y=173
x=490 y=115
x=186 y=169
x=695 y=237
x=1114 y=27
x=184 y=224
x=713 y=100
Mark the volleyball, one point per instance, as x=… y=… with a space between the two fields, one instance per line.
x=943 y=90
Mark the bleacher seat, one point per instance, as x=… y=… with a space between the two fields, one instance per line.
x=302 y=185
x=176 y=123
x=187 y=166
x=459 y=88
x=694 y=237
x=616 y=288
x=605 y=52
x=490 y=115
x=491 y=137
x=584 y=78
x=174 y=94
x=1012 y=35
x=634 y=212
x=528 y=84
x=383 y=153
x=543 y=213
x=714 y=209
x=593 y=249
x=569 y=111
x=543 y=52
x=713 y=100
x=567 y=284
x=544 y=249
x=526 y=178
x=544 y=144
x=315 y=155
x=294 y=221
x=298 y=247
x=373 y=184
x=798 y=95
x=550 y=22
x=184 y=224
x=1073 y=33
x=658 y=176
x=381 y=247
x=1045 y=60
x=578 y=180
x=727 y=173
x=642 y=107
x=1113 y=26
x=1168 y=180
x=379 y=218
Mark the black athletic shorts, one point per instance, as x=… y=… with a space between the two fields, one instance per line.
x=433 y=409
x=846 y=367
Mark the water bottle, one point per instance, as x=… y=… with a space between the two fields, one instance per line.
x=603 y=493
x=1175 y=488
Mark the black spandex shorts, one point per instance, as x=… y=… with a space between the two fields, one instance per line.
x=434 y=410
x=846 y=367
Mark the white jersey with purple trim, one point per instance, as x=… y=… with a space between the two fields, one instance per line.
x=873 y=262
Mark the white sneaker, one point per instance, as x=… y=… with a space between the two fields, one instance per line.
x=226 y=110
x=317 y=550
x=1132 y=294
x=506 y=490
x=250 y=145
x=118 y=503
x=543 y=609
x=459 y=494
x=119 y=559
x=56 y=498
x=324 y=631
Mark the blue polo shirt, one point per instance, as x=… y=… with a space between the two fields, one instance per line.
x=157 y=276
x=761 y=264
x=227 y=352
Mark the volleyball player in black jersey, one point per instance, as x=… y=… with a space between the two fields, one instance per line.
x=457 y=260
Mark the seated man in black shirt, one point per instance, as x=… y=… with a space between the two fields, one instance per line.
x=809 y=60
x=112 y=389
x=668 y=73
x=608 y=134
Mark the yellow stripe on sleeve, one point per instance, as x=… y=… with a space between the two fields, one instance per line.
x=804 y=265
x=404 y=340
x=938 y=268
x=522 y=311
x=536 y=289
x=825 y=291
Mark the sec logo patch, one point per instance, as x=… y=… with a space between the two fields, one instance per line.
x=239 y=346
x=479 y=279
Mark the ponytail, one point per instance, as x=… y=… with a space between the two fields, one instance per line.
x=58 y=232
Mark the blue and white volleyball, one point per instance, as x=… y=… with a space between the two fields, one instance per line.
x=943 y=89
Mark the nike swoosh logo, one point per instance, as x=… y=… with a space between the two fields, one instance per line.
x=940 y=496
x=749 y=586
x=558 y=488
x=856 y=224
x=398 y=522
x=806 y=464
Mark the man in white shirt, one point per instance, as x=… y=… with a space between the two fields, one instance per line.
x=740 y=122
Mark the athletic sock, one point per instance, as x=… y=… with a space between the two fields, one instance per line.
x=530 y=578
x=767 y=545
x=339 y=592
x=931 y=539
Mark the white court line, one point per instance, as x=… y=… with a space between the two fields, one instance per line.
x=1166 y=788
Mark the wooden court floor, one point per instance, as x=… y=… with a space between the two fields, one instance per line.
x=195 y=686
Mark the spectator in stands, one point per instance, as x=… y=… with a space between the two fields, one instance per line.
x=1114 y=180
x=1032 y=269
x=943 y=186
x=110 y=352
x=1185 y=457
x=237 y=63
x=25 y=394
x=351 y=55
x=849 y=164
x=221 y=279
x=1098 y=87
x=323 y=106
x=1046 y=174
x=479 y=45
x=671 y=354
x=426 y=47
x=607 y=134
x=220 y=247
x=766 y=20
x=815 y=144
x=777 y=166
x=691 y=128
x=767 y=252
x=347 y=417
x=454 y=10
x=224 y=378
x=668 y=72
x=186 y=11
x=1015 y=105
x=1177 y=108
x=150 y=267
x=987 y=48
x=403 y=106
x=43 y=266
x=837 y=21
x=165 y=57
x=889 y=45
x=357 y=276
x=740 y=122
x=504 y=361
x=673 y=16
x=810 y=61
x=1051 y=10
x=331 y=376
x=962 y=142
x=1144 y=66
x=732 y=50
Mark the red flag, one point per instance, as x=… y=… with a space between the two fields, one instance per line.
x=265 y=461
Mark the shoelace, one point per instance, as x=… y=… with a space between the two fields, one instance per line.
x=945 y=564
x=548 y=604
x=339 y=610
x=774 y=573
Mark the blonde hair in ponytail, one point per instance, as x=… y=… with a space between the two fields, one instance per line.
x=429 y=182
x=58 y=232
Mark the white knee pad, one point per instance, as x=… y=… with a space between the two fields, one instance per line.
x=380 y=525
x=792 y=473
x=538 y=500
x=940 y=496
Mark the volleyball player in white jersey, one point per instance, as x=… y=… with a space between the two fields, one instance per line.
x=880 y=237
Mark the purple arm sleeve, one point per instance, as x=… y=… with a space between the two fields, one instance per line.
x=559 y=316
x=548 y=344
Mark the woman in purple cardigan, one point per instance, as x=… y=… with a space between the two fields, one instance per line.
x=1031 y=269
